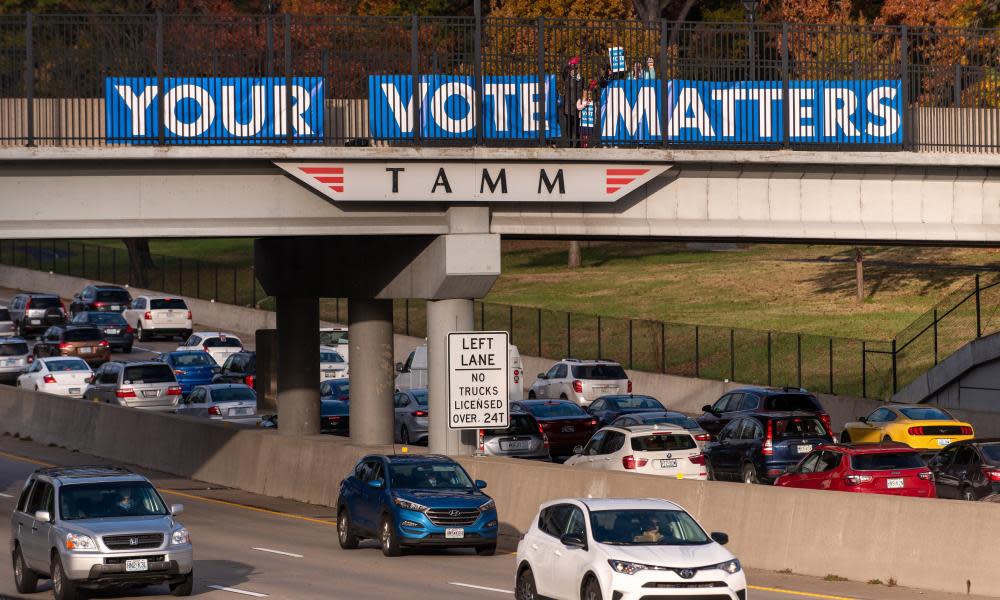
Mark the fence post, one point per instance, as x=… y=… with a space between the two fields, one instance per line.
x=253 y=288
x=406 y=316
x=979 y=314
x=697 y=352
x=542 y=112
x=337 y=304
x=160 y=129
x=935 y=337
x=630 y=343
x=831 y=366
x=539 y=318
x=864 y=369
x=958 y=86
x=785 y=120
x=664 y=76
x=599 y=353
x=904 y=74
x=477 y=72
x=732 y=354
x=415 y=75
x=99 y=278
x=269 y=45
x=663 y=347
x=569 y=334
x=768 y=358
x=798 y=360
x=893 y=366
x=29 y=76
x=289 y=116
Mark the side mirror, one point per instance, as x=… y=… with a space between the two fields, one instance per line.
x=43 y=516
x=720 y=538
x=577 y=449
x=176 y=509
x=542 y=376
x=572 y=540
x=399 y=367
x=377 y=484
x=863 y=419
x=790 y=468
x=480 y=484
x=707 y=408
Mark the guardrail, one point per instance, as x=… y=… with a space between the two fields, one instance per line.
x=349 y=80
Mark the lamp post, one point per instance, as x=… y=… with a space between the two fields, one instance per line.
x=750 y=7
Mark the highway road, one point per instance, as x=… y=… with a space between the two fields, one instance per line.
x=255 y=547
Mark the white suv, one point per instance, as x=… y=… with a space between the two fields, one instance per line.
x=582 y=381
x=623 y=549
x=664 y=449
x=159 y=315
x=217 y=344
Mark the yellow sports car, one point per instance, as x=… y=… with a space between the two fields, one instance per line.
x=920 y=427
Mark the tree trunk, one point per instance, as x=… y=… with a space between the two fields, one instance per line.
x=859 y=274
x=574 y=255
x=140 y=261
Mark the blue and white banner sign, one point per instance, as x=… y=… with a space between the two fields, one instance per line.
x=213 y=110
x=616 y=56
x=510 y=107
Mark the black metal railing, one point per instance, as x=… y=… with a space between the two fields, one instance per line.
x=88 y=79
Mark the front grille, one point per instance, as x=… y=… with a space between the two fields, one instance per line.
x=120 y=560
x=685 y=585
x=141 y=540
x=454 y=517
x=942 y=430
x=688 y=597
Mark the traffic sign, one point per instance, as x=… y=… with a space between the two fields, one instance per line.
x=478 y=379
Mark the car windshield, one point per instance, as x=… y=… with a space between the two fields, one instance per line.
x=148 y=374
x=66 y=364
x=109 y=500
x=790 y=402
x=4 y=314
x=331 y=408
x=330 y=357
x=926 y=414
x=680 y=421
x=798 y=427
x=106 y=318
x=636 y=402
x=599 y=372
x=82 y=335
x=15 y=349
x=44 y=302
x=332 y=338
x=425 y=476
x=992 y=453
x=222 y=342
x=663 y=442
x=114 y=296
x=885 y=461
x=420 y=396
x=646 y=528
x=164 y=303
x=556 y=409
x=193 y=359
x=234 y=394
x=519 y=425
x=342 y=389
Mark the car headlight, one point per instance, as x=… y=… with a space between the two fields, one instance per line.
x=490 y=505
x=730 y=566
x=78 y=542
x=628 y=568
x=180 y=537
x=407 y=505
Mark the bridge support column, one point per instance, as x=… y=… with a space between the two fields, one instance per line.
x=298 y=364
x=444 y=317
x=372 y=373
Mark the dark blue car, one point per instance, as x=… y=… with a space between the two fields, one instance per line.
x=410 y=500
x=191 y=367
x=608 y=408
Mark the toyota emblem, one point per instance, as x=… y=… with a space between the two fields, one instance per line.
x=686 y=573
x=454 y=513
x=133 y=541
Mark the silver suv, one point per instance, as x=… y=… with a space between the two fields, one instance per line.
x=15 y=357
x=150 y=385
x=89 y=528
x=581 y=381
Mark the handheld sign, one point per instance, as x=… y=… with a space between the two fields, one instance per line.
x=616 y=55
x=478 y=380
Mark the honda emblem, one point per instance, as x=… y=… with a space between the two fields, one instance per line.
x=133 y=541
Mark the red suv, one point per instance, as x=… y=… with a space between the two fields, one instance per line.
x=888 y=468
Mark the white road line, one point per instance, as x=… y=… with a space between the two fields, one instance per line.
x=146 y=349
x=6 y=496
x=292 y=554
x=480 y=587
x=236 y=591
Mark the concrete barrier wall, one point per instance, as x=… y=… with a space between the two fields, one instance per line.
x=931 y=544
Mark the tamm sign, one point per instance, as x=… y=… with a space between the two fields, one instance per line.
x=473 y=181
x=477 y=380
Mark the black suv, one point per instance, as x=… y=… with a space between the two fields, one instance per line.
x=240 y=367
x=34 y=313
x=968 y=470
x=743 y=401
x=99 y=298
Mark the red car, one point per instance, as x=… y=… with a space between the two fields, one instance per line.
x=562 y=421
x=888 y=468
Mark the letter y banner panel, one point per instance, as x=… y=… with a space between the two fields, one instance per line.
x=473 y=181
x=478 y=379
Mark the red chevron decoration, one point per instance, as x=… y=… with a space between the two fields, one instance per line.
x=616 y=179
x=331 y=177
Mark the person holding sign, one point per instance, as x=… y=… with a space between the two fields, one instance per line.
x=585 y=106
x=573 y=85
x=650 y=72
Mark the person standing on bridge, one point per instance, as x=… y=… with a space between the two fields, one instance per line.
x=573 y=91
x=585 y=106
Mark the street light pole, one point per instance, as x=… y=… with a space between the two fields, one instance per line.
x=750 y=7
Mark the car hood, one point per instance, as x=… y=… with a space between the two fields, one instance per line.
x=701 y=555
x=444 y=498
x=121 y=525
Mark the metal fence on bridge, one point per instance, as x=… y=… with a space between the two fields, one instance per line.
x=182 y=79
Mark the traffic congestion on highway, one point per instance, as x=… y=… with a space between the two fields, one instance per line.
x=98 y=526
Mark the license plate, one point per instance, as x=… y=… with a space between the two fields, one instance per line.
x=894 y=484
x=116 y=307
x=74 y=390
x=568 y=429
x=668 y=463
x=8 y=363
x=149 y=393
x=136 y=564
x=239 y=412
x=36 y=321
x=329 y=374
x=86 y=350
x=112 y=331
x=943 y=441
x=804 y=448
x=515 y=445
x=454 y=533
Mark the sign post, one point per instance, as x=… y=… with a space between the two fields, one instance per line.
x=478 y=376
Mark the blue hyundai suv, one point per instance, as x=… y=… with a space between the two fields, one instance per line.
x=411 y=500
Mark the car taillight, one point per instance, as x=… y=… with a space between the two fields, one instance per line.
x=49 y=379
x=593 y=422
x=481 y=436
x=98 y=304
x=703 y=437
x=915 y=430
x=148 y=316
x=104 y=344
x=545 y=426
x=214 y=410
x=578 y=386
x=630 y=462
x=65 y=345
x=27 y=305
x=129 y=329
x=249 y=380
x=826 y=422
x=333 y=419
x=858 y=479
x=179 y=372
x=926 y=475
x=189 y=315
x=630 y=386
x=698 y=459
x=545 y=438
x=992 y=474
x=966 y=430
x=125 y=393
x=174 y=390
x=768 y=448
x=420 y=413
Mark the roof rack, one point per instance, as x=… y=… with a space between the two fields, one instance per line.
x=84 y=471
x=792 y=388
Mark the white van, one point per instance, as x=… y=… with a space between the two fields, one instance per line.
x=413 y=373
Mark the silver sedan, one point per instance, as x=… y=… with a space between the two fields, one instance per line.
x=233 y=402
x=411 y=416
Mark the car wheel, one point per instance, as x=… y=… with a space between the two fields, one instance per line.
x=749 y=474
x=886 y=439
x=563 y=397
x=62 y=587
x=525 y=587
x=531 y=395
x=487 y=550
x=348 y=541
x=25 y=580
x=183 y=587
x=591 y=589
x=140 y=334
x=404 y=435
x=389 y=537
x=845 y=438
x=968 y=495
x=127 y=349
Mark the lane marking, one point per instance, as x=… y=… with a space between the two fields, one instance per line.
x=480 y=587
x=5 y=496
x=150 y=350
x=794 y=593
x=237 y=591
x=292 y=554
x=25 y=459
